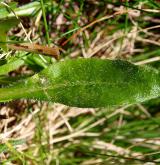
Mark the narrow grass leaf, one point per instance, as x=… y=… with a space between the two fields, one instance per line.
x=5 y=69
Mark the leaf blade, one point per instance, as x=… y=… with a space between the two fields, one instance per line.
x=91 y=83
x=6 y=68
x=5 y=26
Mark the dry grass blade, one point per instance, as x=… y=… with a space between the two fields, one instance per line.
x=35 y=48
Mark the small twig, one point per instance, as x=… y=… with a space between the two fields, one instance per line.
x=154 y=59
x=66 y=122
x=144 y=110
x=148 y=41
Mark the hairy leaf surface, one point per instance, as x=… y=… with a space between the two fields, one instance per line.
x=88 y=83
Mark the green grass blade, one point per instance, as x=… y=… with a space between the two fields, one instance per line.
x=45 y=22
x=4 y=69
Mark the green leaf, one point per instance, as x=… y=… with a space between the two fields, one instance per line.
x=5 y=26
x=26 y=10
x=88 y=83
x=3 y=39
x=6 y=80
x=4 y=69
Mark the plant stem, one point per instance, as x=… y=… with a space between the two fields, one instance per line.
x=45 y=22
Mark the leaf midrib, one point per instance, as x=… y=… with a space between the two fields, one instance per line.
x=77 y=84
